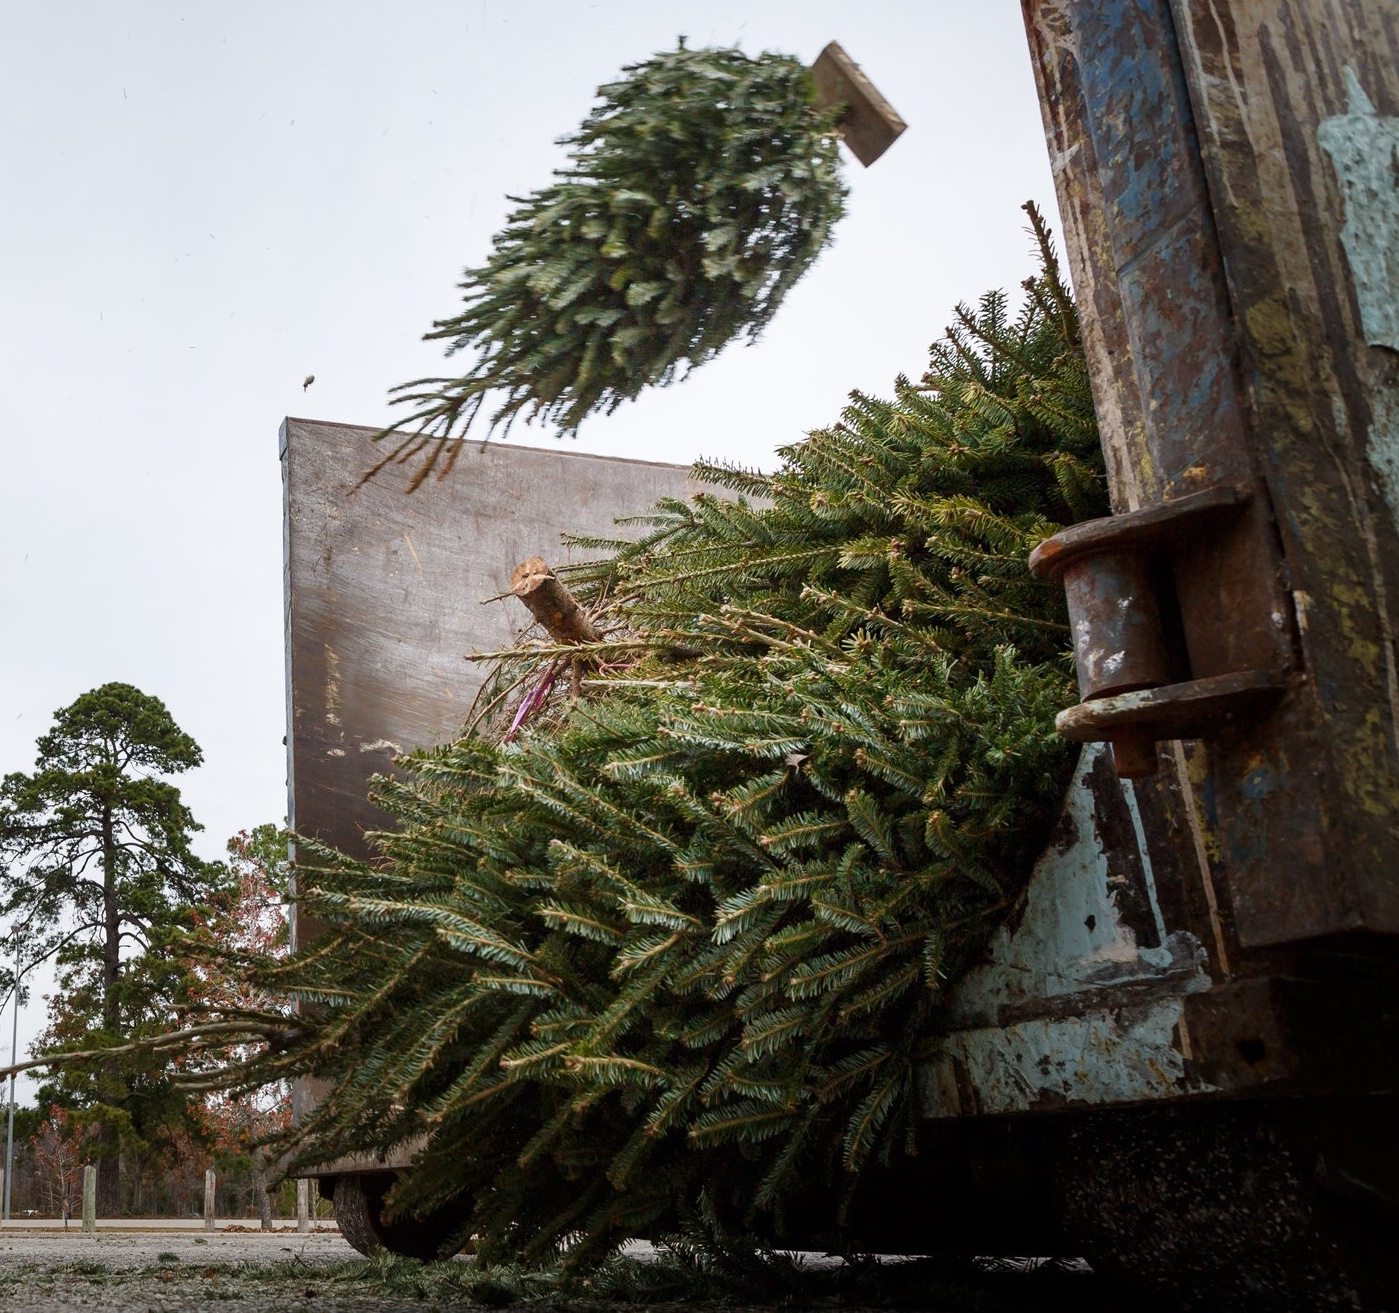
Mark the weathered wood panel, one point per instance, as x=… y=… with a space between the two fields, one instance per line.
x=383 y=597
x=384 y=592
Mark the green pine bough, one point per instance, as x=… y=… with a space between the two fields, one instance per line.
x=700 y=188
x=673 y=954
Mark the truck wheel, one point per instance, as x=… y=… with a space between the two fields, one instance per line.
x=352 y=1213
x=358 y=1211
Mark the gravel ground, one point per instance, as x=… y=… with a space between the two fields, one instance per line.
x=248 y=1271
x=128 y=1272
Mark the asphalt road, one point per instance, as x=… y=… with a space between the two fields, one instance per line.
x=234 y=1224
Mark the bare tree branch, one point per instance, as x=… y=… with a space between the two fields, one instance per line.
x=192 y=1038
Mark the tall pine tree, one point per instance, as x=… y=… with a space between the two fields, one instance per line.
x=97 y=877
x=675 y=948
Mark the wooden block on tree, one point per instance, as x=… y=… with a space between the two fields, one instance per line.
x=870 y=123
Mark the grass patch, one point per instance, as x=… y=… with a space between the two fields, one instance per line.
x=86 y=1267
x=774 y=1280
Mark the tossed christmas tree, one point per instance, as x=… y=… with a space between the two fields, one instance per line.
x=666 y=939
x=700 y=188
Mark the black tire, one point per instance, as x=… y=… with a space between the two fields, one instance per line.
x=352 y=1214
x=359 y=1213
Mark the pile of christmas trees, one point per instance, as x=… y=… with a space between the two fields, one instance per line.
x=676 y=951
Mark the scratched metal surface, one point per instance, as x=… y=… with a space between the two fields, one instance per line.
x=1296 y=102
x=1080 y=999
x=1229 y=197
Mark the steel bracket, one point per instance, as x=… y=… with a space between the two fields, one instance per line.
x=1130 y=624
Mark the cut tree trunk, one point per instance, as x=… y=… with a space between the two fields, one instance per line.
x=551 y=603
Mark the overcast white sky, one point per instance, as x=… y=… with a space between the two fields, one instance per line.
x=207 y=202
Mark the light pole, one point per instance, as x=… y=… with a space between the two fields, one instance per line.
x=14 y=1057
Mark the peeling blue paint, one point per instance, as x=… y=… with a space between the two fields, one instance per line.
x=1016 y=1039
x=1122 y=1055
x=1124 y=86
x=1364 y=148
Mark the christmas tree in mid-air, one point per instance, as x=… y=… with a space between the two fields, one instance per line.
x=700 y=188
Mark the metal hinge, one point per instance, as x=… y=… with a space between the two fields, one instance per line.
x=1130 y=622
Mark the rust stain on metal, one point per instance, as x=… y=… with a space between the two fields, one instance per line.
x=1290 y=148
x=1115 y=624
x=1137 y=687
x=1193 y=709
x=1198 y=850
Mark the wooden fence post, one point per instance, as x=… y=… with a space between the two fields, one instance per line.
x=89 y=1198
x=209 y=1186
x=303 y=1205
